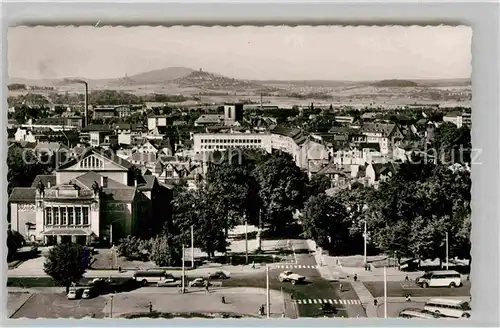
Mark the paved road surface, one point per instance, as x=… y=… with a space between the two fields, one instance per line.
x=402 y=288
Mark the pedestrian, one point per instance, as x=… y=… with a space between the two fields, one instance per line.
x=375 y=302
x=355 y=277
x=206 y=287
x=408 y=298
x=468 y=277
x=253 y=264
x=120 y=269
x=340 y=287
x=369 y=268
x=223 y=300
x=283 y=314
x=261 y=310
x=406 y=278
x=150 y=307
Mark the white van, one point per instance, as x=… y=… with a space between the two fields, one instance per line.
x=413 y=314
x=448 y=278
x=448 y=308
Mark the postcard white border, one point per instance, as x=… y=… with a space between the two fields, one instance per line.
x=482 y=17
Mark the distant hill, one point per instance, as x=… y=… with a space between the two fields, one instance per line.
x=206 y=80
x=158 y=76
x=394 y=84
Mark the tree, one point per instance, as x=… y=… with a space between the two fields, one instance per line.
x=318 y=184
x=282 y=190
x=66 y=263
x=235 y=193
x=325 y=222
x=14 y=241
x=23 y=166
x=165 y=251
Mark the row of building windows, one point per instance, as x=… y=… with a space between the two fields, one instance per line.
x=231 y=141
x=91 y=162
x=226 y=147
x=67 y=216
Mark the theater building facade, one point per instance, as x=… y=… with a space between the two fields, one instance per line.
x=96 y=198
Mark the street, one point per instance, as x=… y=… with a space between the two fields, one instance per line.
x=307 y=297
x=403 y=288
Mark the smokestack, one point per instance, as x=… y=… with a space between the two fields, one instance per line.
x=86 y=104
x=261 y=101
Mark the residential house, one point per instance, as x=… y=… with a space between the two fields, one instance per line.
x=385 y=134
x=104 y=112
x=23 y=134
x=122 y=111
x=380 y=172
x=95 y=133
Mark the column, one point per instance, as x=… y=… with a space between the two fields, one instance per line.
x=45 y=240
x=73 y=239
x=59 y=239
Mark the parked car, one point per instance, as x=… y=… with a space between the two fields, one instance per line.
x=219 y=275
x=199 y=282
x=328 y=308
x=169 y=281
x=290 y=276
x=88 y=293
x=72 y=294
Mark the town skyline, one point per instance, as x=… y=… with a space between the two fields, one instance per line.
x=384 y=53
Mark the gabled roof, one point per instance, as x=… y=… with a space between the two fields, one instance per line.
x=45 y=179
x=385 y=128
x=210 y=118
x=96 y=128
x=147 y=183
x=99 y=151
x=90 y=177
x=22 y=194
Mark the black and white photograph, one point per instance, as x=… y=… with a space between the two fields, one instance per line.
x=265 y=172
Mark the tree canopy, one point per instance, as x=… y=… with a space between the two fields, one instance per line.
x=66 y=263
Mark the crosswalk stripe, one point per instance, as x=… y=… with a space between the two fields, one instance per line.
x=325 y=301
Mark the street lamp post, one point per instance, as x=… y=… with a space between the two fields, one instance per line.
x=365 y=237
x=183 y=270
x=192 y=246
x=111 y=306
x=246 y=242
x=268 y=294
x=447 y=264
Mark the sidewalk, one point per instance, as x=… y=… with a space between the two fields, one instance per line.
x=38 y=271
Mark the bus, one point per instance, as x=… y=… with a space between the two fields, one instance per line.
x=448 y=308
x=447 y=278
x=414 y=314
x=147 y=276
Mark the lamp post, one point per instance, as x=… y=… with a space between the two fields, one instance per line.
x=447 y=264
x=246 y=242
x=365 y=237
x=111 y=306
x=192 y=246
x=183 y=271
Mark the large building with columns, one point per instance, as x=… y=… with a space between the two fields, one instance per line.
x=94 y=198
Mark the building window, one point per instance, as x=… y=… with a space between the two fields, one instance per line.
x=48 y=216
x=78 y=216
x=170 y=174
x=56 y=216
x=85 y=212
x=71 y=216
x=64 y=218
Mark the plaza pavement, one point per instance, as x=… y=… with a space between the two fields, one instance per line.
x=244 y=301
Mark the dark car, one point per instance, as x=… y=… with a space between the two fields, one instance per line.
x=218 y=275
x=328 y=308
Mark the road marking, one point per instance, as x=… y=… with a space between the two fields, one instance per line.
x=295 y=266
x=331 y=301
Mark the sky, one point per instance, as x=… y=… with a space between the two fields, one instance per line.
x=262 y=53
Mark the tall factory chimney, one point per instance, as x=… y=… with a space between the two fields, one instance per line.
x=86 y=105
x=261 y=101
